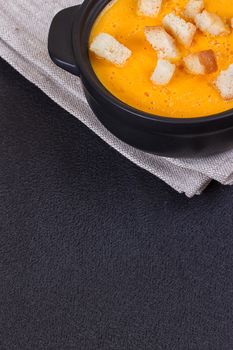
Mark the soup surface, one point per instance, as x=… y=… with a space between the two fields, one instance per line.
x=187 y=95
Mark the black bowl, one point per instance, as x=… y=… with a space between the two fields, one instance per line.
x=173 y=137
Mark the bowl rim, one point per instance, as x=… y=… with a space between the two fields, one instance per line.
x=83 y=22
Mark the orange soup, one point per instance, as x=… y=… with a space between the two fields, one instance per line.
x=186 y=96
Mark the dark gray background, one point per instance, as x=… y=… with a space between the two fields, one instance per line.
x=96 y=253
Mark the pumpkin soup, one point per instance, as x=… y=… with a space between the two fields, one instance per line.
x=175 y=75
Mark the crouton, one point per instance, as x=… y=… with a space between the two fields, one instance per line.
x=211 y=23
x=149 y=7
x=193 y=7
x=162 y=42
x=224 y=83
x=203 y=62
x=163 y=72
x=106 y=46
x=183 y=31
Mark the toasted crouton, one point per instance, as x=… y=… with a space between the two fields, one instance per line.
x=203 y=62
x=193 y=7
x=224 y=83
x=149 y=7
x=211 y=23
x=162 y=42
x=163 y=72
x=106 y=46
x=183 y=31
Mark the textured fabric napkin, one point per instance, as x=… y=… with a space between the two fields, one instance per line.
x=24 y=26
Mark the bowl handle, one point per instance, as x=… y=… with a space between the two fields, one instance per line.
x=60 y=40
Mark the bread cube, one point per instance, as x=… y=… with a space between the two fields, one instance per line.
x=149 y=7
x=183 y=31
x=163 y=72
x=162 y=42
x=200 y=63
x=211 y=23
x=224 y=83
x=193 y=7
x=106 y=46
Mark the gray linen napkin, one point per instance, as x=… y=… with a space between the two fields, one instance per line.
x=24 y=26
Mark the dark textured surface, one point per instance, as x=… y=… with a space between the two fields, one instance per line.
x=95 y=253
